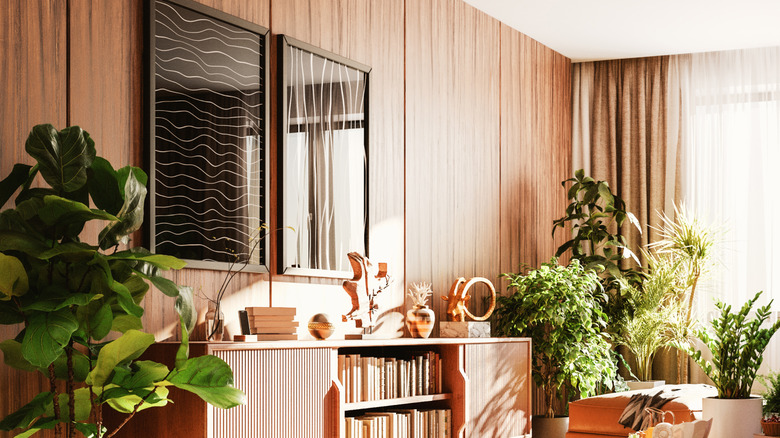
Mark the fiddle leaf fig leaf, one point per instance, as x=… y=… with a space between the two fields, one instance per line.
x=12 y=355
x=13 y=278
x=131 y=215
x=23 y=418
x=123 y=323
x=46 y=336
x=104 y=187
x=100 y=322
x=211 y=379
x=185 y=305
x=81 y=402
x=61 y=212
x=125 y=401
x=160 y=261
x=125 y=348
x=63 y=157
x=13 y=181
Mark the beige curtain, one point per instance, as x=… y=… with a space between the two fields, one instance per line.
x=626 y=123
x=627 y=130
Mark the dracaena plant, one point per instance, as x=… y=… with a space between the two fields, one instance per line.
x=78 y=305
x=557 y=307
x=737 y=344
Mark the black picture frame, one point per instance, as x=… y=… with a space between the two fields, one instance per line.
x=285 y=44
x=207 y=131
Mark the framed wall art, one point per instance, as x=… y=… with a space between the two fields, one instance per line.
x=208 y=133
x=323 y=160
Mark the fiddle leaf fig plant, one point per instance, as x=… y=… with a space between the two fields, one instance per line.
x=558 y=308
x=78 y=305
x=737 y=345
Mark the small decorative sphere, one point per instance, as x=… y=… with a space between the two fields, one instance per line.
x=320 y=326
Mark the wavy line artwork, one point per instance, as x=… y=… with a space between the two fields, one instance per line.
x=209 y=138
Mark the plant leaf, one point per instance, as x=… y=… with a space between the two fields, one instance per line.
x=185 y=306
x=104 y=187
x=12 y=355
x=13 y=181
x=63 y=157
x=127 y=347
x=124 y=323
x=46 y=336
x=62 y=212
x=211 y=379
x=131 y=215
x=23 y=418
x=13 y=277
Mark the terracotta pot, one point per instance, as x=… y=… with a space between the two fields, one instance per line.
x=543 y=427
x=419 y=321
x=733 y=418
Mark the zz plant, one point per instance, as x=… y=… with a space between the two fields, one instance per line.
x=558 y=308
x=737 y=347
x=78 y=305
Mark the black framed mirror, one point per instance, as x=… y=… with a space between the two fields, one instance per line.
x=208 y=130
x=323 y=160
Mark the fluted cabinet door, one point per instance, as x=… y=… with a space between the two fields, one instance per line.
x=287 y=394
x=498 y=386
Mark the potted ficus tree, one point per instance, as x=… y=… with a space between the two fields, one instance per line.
x=737 y=344
x=558 y=308
x=78 y=305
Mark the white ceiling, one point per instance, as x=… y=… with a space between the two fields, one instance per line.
x=586 y=30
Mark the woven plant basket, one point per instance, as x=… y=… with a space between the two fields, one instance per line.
x=771 y=428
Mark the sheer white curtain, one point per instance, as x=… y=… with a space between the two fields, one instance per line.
x=731 y=165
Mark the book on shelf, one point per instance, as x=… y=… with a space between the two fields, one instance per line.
x=274 y=331
x=277 y=337
x=401 y=423
x=270 y=311
x=264 y=323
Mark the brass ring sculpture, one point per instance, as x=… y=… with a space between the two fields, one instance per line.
x=458 y=299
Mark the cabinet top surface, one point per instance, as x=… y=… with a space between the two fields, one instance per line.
x=340 y=343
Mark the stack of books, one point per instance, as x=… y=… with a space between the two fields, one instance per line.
x=401 y=423
x=272 y=323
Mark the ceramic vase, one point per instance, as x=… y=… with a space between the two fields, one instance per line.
x=542 y=427
x=419 y=321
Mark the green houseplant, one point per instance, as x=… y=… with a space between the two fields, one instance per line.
x=737 y=345
x=596 y=215
x=771 y=410
x=557 y=307
x=78 y=305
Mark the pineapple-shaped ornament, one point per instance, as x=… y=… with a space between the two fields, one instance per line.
x=420 y=318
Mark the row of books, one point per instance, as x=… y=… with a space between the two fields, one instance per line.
x=402 y=423
x=368 y=378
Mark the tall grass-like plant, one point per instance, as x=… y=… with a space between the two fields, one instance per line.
x=558 y=308
x=737 y=345
x=71 y=298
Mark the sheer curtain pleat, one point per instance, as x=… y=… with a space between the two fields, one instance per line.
x=731 y=160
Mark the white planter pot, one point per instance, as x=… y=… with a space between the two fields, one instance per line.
x=732 y=418
x=543 y=427
x=648 y=384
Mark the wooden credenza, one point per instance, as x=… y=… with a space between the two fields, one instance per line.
x=293 y=389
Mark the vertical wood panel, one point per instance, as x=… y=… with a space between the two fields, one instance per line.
x=370 y=32
x=255 y=11
x=535 y=148
x=452 y=145
x=498 y=390
x=290 y=401
x=32 y=91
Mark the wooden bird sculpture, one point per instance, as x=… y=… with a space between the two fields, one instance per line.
x=458 y=299
x=363 y=288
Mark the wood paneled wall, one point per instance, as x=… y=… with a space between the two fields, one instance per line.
x=469 y=129
x=453 y=180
